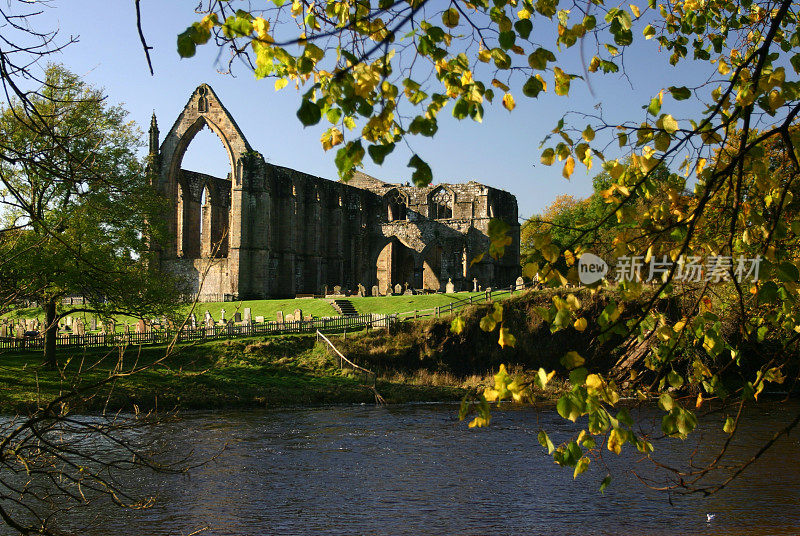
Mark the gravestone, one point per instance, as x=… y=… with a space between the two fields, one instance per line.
x=475 y=285
x=111 y=327
x=208 y=316
x=248 y=315
x=290 y=317
x=408 y=292
x=375 y=291
x=80 y=329
x=209 y=322
x=308 y=318
x=298 y=314
x=279 y=317
x=259 y=320
x=398 y=289
x=222 y=317
x=449 y=287
x=361 y=291
x=192 y=321
x=337 y=290
x=69 y=321
x=140 y=326
x=93 y=324
x=520 y=283
x=19 y=331
x=325 y=290
x=237 y=316
x=3 y=330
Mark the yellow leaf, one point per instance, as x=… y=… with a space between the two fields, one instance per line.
x=569 y=167
x=530 y=270
x=723 y=67
x=281 y=83
x=588 y=133
x=635 y=10
x=562 y=81
x=669 y=124
x=297 y=8
x=615 y=441
x=580 y=324
x=497 y=83
x=490 y=395
x=479 y=422
x=485 y=56
x=506 y=338
x=594 y=382
x=508 y=102
x=775 y=100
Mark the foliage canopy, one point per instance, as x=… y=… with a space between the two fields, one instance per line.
x=75 y=206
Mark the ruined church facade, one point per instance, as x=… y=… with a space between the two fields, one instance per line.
x=270 y=231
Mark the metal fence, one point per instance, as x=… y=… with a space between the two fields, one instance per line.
x=228 y=331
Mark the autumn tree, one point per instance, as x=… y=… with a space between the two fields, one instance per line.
x=380 y=73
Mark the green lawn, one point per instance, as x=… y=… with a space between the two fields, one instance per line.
x=309 y=306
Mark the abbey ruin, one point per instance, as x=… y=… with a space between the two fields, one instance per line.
x=269 y=231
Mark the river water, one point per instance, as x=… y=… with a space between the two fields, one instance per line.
x=416 y=470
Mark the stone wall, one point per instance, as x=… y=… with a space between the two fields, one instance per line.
x=269 y=231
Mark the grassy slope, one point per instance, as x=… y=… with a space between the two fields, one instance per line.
x=242 y=373
x=309 y=306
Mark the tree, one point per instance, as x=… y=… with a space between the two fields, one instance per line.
x=77 y=208
x=381 y=72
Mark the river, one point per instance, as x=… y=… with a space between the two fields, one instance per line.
x=416 y=470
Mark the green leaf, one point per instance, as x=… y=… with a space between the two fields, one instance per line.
x=422 y=175
x=567 y=408
x=675 y=379
x=544 y=441
x=581 y=467
x=186 y=44
x=507 y=39
x=572 y=360
x=666 y=402
x=450 y=18
x=729 y=426
x=378 y=152
x=680 y=93
x=539 y=58
x=788 y=273
x=604 y=484
x=532 y=87
x=578 y=376
x=524 y=27
x=654 y=107
x=309 y=113
x=488 y=323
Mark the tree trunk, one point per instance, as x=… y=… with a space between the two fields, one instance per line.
x=51 y=331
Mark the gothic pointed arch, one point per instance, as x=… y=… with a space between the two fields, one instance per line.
x=203 y=109
x=396 y=205
x=441 y=201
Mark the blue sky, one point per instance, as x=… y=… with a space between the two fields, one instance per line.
x=502 y=152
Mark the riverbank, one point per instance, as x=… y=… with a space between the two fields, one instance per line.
x=242 y=373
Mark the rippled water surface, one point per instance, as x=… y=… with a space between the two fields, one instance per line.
x=415 y=469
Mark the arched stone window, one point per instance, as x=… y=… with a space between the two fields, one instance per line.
x=440 y=204
x=396 y=205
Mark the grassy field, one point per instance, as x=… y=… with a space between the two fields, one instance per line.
x=275 y=371
x=310 y=306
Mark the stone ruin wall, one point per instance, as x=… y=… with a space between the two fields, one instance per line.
x=270 y=231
